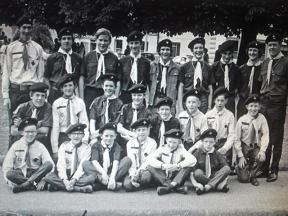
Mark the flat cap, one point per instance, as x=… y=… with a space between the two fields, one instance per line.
x=193 y=92
x=27 y=122
x=220 y=91
x=198 y=40
x=39 y=87
x=273 y=37
x=108 y=126
x=166 y=101
x=65 y=31
x=137 y=88
x=211 y=133
x=142 y=122
x=76 y=127
x=226 y=46
x=254 y=98
x=135 y=36
x=253 y=44
x=24 y=20
x=65 y=79
x=174 y=133
x=164 y=43
x=110 y=77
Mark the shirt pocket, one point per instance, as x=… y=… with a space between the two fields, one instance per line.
x=17 y=61
x=278 y=77
x=211 y=122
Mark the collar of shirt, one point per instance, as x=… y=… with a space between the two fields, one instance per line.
x=280 y=55
x=220 y=113
x=193 y=114
x=194 y=59
x=164 y=64
x=103 y=53
x=25 y=42
x=169 y=117
x=67 y=98
x=205 y=152
x=224 y=63
x=106 y=146
x=251 y=63
x=65 y=53
x=137 y=108
x=133 y=56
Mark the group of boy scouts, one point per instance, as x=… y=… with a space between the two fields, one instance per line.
x=102 y=123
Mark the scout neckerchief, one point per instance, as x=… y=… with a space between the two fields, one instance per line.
x=165 y=66
x=171 y=156
x=68 y=63
x=189 y=132
x=135 y=113
x=106 y=156
x=100 y=63
x=107 y=107
x=208 y=163
x=71 y=118
x=226 y=72
x=134 y=69
x=27 y=160
x=253 y=65
x=74 y=162
x=270 y=66
x=25 y=54
x=34 y=113
x=162 y=130
x=253 y=131
x=138 y=156
x=198 y=77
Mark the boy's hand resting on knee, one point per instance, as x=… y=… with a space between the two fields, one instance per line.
x=242 y=162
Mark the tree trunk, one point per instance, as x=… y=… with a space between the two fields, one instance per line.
x=249 y=33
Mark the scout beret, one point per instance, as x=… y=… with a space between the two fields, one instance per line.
x=193 y=92
x=108 y=126
x=137 y=88
x=24 y=20
x=253 y=44
x=174 y=133
x=212 y=133
x=103 y=31
x=110 y=77
x=226 y=46
x=135 y=36
x=76 y=127
x=65 y=79
x=26 y=122
x=254 y=98
x=142 y=122
x=164 y=43
x=273 y=37
x=39 y=87
x=65 y=31
x=198 y=40
x=166 y=101
x=220 y=91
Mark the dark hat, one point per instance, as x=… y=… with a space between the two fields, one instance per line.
x=26 y=122
x=253 y=44
x=174 y=133
x=212 y=133
x=254 y=98
x=135 y=36
x=193 y=92
x=226 y=46
x=65 y=31
x=166 y=101
x=198 y=40
x=24 y=20
x=142 y=122
x=273 y=37
x=108 y=126
x=110 y=77
x=220 y=91
x=39 y=87
x=164 y=43
x=65 y=79
x=76 y=127
x=137 y=88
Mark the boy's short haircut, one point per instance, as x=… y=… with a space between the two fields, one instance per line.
x=220 y=91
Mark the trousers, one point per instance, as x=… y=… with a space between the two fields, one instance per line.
x=144 y=180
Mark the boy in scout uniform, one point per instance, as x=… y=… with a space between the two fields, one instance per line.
x=164 y=121
x=132 y=112
x=70 y=175
x=68 y=109
x=36 y=108
x=105 y=108
x=252 y=138
x=274 y=90
x=97 y=63
x=164 y=75
x=250 y=73
x=138 y=150
x=196 y=75
x=62 y=62
x=211 y=171
x=193 y=121
x=221 y=120
x=225 y=73
x=135 y=68
x=106 y=166
x=27 y=161
x=171 y=164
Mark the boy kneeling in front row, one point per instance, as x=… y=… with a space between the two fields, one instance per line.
x=171 y=164
x=211 y=171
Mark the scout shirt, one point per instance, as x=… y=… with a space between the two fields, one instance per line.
x=223 y=123
x=13 y=68
x=163 y=155
x=251 y=131
x=199 y=123
x=90 y=64
x=55 y=66
x=78 y=114
x=15 y=158
x=156 y=73
x=126 y=115
x=139 y=152
x=98 y=110
x=43 y=113
x=71 y=158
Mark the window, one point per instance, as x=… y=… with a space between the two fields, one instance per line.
x=118 y=46
x=175 y=49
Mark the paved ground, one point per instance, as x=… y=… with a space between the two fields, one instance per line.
x=242 y=199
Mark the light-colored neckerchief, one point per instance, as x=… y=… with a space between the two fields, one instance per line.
x=68 y=63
